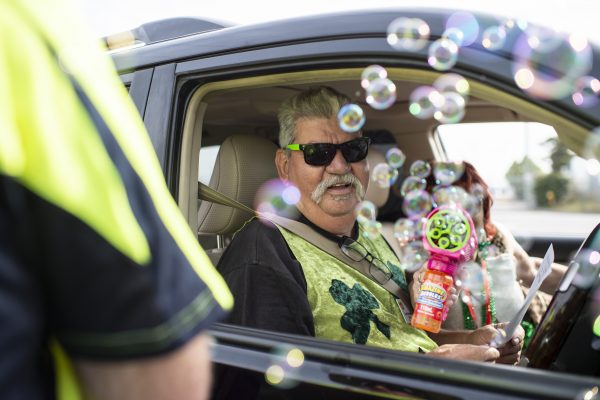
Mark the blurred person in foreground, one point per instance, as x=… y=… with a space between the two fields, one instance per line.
x=494 y=282
x=104 y=291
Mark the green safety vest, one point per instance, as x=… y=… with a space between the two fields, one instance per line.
x=349 y=307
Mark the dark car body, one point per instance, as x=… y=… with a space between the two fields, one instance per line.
x=163 y=77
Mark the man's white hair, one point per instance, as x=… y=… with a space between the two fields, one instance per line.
x=318 y=102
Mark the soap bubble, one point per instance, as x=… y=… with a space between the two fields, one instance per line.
x=448 y=172
x=450 y=196
x=285 y=361
x=416 y=203
x=471 y=278
x=351 y=118
x=381 y=94
x=404 y=231
x=420 y=168
x=587 y=91
x=452 y=82
x=588 y=267
x=384 y=175
x=372 y=73
x=548 y=64
x=454 y=34
x=366 y=211
x=395 y=157
x=424 y=102
x=277 y=197
x=443 y=54
x=413 y=256
x=494 y=38
x=410 y=34
x=452 y=110
x=412 y=183
x=467 y=24
x=371 y=229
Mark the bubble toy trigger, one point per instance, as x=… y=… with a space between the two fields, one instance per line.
x=449 y=236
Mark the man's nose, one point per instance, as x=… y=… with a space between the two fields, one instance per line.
x=338 y=165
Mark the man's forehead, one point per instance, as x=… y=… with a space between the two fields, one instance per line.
x=322 y=130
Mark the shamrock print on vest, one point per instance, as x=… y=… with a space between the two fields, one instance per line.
x=359 y=304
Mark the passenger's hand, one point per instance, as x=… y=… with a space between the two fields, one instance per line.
x=510 y=353
x=467 y=352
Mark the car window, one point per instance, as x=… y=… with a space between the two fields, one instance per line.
x=539 y=186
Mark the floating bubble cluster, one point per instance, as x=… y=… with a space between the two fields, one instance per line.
x=443 y=54
x=420 y=168
x=548 y=64
x=395 y=157
x=448 y=172
x=445 y=100
x=417 y=204
x=412 y=183
x=381 y=93
x=408 y=34
x=351 y=118
x=424 y=102
x=277 y=197
x=384 y=175
x=372 y=73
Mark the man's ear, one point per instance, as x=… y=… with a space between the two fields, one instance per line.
x=282 y=164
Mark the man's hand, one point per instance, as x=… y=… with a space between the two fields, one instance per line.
x=415 y=286
x=467 y=352
x=510 y=353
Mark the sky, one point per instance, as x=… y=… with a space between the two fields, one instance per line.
x=111 y=16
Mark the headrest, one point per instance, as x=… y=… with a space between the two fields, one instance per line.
x=244 y=162
x=375 y=193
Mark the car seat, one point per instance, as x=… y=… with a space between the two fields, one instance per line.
x=243 y=164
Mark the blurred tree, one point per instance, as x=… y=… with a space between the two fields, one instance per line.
x=517 y=175
x=550 y=189
x=560 y=155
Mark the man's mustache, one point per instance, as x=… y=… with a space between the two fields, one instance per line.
x=346 y=179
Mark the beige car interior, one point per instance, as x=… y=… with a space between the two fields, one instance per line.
x=241 y=116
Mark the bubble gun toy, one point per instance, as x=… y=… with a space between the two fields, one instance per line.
x=449 y=236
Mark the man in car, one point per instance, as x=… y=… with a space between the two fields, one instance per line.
x=281 y=282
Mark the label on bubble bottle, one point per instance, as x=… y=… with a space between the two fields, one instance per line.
x=431 y=301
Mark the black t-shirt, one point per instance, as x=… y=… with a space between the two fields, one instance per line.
x=266 y=280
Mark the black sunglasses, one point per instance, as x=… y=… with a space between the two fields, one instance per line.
x=323 y=153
